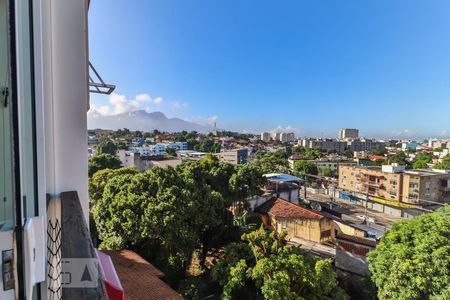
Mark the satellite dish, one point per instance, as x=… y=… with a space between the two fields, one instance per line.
x=316 y=206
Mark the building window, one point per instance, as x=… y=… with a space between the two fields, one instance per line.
x=325 y=234
x=393 y=182
x=393 y=193
x=413 y=196
x=413 y=185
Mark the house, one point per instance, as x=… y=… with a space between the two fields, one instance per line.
x=282 y=215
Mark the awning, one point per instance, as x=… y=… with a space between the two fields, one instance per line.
x=280 y=178
x=111 y=280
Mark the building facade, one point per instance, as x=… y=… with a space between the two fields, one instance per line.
x=348 y=133
x=234 y=156
x=265 y=136
x=395 y=184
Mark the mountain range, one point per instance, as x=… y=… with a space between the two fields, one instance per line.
x=143 y=121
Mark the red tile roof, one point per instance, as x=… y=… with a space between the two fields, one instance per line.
x=140 y=279
x=279 y=207
x=376 y=157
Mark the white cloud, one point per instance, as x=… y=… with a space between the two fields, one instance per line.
x=405 y=133
x=119 y=104
x=177 y=105
x=143 y=98
x=147 y=98
x=287 y=129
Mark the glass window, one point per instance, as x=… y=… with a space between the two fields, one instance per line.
x=6 y=201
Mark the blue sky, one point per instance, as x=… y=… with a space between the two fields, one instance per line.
x=309 y=66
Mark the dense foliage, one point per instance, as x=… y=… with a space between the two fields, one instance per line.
x=445 y=164
x=106 y=146
x=422 y=160
x=264 y=263
x=273 y=162
x=304 y=167
x=412 y=261
x=102 y=161
x=171 y=212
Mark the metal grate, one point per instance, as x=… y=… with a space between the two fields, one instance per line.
x=54 y=260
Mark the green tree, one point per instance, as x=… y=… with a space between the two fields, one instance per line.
x=102 y=161
x=445 y=164
x=265 y=263
x=422 y=160
x=273 y=162
x=99 y=179
x=412 y=261
x=303 y=167
x=397 y=158
x=326 y=171
x=348 y=153
x=171 y=152
x=106 y=147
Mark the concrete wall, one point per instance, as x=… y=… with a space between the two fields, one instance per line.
x=65 y=96
x=351 y=262
x=309 y=229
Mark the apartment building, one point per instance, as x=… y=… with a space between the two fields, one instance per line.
x=364 y=145
x=265 y=136
x=348 y=133
x=159 y=148
x=324 y=144
x=394 y=184
x=234 y=156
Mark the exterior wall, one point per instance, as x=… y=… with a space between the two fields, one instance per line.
x=348 y=133
x=346 y=229
x=237 y=156
x=65 y=95
x=407 y=187
x=351 y=262
x=310 y=229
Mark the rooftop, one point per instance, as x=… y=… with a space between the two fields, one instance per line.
x=140 y=279
x=279 y=207
x=274 y=177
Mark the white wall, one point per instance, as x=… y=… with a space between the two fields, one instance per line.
x=66 y=96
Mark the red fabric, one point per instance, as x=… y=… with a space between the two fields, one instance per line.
x=111 y=280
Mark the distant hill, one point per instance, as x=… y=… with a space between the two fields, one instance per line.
x=143 y=121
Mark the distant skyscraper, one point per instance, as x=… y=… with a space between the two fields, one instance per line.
x=348 y=133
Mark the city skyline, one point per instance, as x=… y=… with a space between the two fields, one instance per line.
x=309 y=68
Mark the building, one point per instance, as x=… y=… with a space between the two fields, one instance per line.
x=265 y=136
x=234 y=156
x=92 y=141
x=324 y=144
x=282 y=215
x=433 y=143
x=393 y=185
x=276 y=136
x=46 y=72
x=140 y=279
x=138 y=141
x=409 y=146
x=348 y=133
x=287 y=137
x=159 y=148
x=357 y=145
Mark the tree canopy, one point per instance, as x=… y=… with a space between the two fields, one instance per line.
x=445 y=164
x=273 y=162
x=106 y=147
x=264 y=263
x=412 y=261
x=304 y=167
x=172 y=211
x=102 y=161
